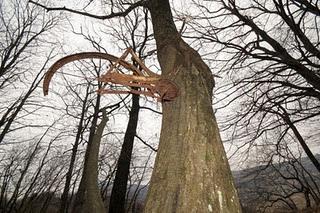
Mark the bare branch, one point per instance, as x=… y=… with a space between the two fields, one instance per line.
x=141 y=3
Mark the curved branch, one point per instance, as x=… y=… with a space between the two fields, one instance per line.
x=145 y=143
x=141 y=3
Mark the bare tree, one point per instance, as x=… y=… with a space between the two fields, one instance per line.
x=191 y=171
x=284 y=182
x=120 y=184
x=80 y=129
x=29 y=172
x=22 y=31
x=269 y=50
x=88 y=196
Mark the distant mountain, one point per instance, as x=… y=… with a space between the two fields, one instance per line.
x=257 y=184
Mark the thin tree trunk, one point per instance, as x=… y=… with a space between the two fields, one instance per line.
x=88 y=198
x=191 y=172
x=302 y=142
x=119 y=189
x=65 y=194
x=285 y=116
x=16 y=108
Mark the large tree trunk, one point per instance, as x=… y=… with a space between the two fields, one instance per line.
x=119 y=189
x=88 y=198
x=191 y=172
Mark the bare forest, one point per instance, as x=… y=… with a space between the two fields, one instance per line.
x=159 y=106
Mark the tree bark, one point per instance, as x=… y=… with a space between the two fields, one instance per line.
x=119 y=189
x=88 y=199
x=191 y=172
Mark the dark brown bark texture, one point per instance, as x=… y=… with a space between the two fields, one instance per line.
x=88 y=198
x=191 y=172
x=119 y=189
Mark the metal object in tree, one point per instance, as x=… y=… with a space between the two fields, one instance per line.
x=137 y=80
